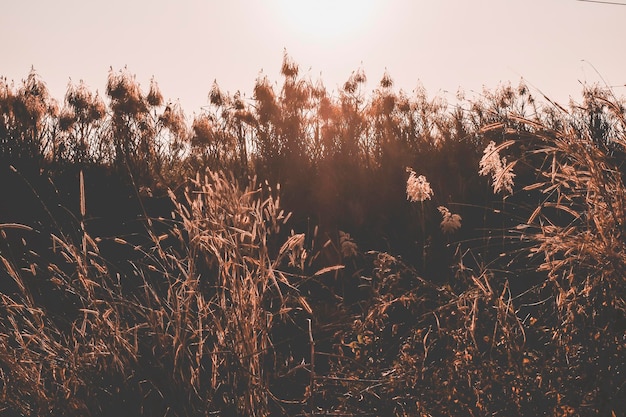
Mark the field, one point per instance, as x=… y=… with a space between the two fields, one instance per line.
x=305 y=252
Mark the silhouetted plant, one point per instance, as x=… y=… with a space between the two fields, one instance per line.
x=83 y=137
x=223 y=133
x=26 y=119
x=145 y=139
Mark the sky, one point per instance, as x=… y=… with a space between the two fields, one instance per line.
x=442 y=45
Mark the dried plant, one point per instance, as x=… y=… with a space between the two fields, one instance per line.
x=218 y=310
x=191 y=335
x=491 y=164
x=450 y=222
x=417 y=187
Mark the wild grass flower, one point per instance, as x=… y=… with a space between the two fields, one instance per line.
x=154 y=97
x=451 y=222
x=417 y=188
x=67 y=119
x=173 y=118
x=125 y=93
x=348 y=247
x=86 y=106
x=501 y=174
x=216 y=97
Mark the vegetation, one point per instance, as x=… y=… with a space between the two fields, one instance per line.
x=306 y=252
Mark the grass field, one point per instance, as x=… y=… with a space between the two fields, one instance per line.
x=311 y=254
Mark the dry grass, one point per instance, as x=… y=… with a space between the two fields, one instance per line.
x=187 y=333
x=501 y=340
x=62 y=327
x=210 y=313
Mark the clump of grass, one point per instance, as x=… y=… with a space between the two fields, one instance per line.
x=575 y=236
x=501 y=173
x=422 y=349
x=224 y=291
x=183 y=329
x=64 y=327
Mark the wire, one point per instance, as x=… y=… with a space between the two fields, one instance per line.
x=604 y=2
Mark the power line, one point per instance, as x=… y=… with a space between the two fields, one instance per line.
x=604 y=2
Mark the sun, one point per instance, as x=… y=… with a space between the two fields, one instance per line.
x=318 y=20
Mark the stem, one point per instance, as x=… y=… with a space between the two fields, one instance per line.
x=422 y=218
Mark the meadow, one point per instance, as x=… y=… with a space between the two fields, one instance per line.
x=305 y=252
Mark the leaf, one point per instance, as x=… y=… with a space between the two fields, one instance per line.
x=328 y=269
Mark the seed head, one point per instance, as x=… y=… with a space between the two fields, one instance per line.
x=417 y=188
x=450 y=222
x=501 y=174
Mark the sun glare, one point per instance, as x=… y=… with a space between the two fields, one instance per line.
x=326 y=19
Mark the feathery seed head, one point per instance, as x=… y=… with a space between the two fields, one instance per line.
x=501 y=174
x=417 y=188
x=450 y=222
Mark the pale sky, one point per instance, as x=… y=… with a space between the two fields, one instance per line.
x=443 y=45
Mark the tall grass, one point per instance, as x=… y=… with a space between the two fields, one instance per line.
x=539 y=330
x=208 y=311
x=185 y=331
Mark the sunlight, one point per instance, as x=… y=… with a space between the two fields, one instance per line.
x=326 y=19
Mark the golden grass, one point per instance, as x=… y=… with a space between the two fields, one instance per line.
x=201 y=316
x=188 y=324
